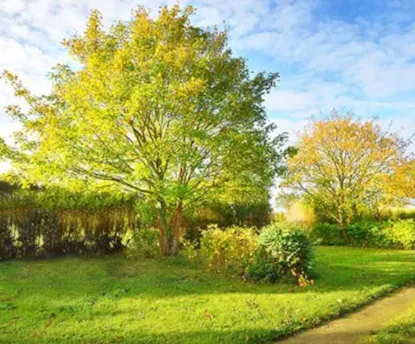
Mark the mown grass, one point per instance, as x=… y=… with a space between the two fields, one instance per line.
x=118 y=300
x=400 y=330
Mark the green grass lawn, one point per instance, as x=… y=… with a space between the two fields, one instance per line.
x=401 y=330
x=118 y=300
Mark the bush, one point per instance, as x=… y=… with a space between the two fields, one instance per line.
x=327 y=234
x=228 y=251
x=264 y=268
x=392 y=234
x=290 y=248
x=386 y=234
x=274 y=254
x=145 y=243
x=237 y=213
x=402 y=233
x=369 y=234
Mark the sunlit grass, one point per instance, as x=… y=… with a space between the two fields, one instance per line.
x=117 y=300
x=400 y=330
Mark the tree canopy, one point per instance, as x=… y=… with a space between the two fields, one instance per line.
x=344 y=163
x=158 y=107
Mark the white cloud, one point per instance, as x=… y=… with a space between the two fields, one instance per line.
x=12 y=7
x=289 y=100
x=375 y=56
x=291 y=126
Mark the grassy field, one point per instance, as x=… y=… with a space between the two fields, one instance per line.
x=400 y=330
x=118 y=300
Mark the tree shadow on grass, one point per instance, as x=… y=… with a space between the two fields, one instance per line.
x=203 y=337
x=115 y=276
x=71 y=288
x=382 y=269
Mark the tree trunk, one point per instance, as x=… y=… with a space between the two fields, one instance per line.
x=344 y=231
x=164 y=243
x=170 y=232
x=341 y=220
x=176 y=227
x=164 y=233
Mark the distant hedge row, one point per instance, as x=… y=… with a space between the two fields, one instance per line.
x=42 y=223
x=387 y=234
x=34 y=232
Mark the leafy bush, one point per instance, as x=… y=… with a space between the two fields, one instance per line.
x=327 y=234
x=402 y=233
x=264 y=267
x=229 y=251
x=386 y=234
x=145 y=243
x=369 y=234
x=277 y=252
x=290 y=248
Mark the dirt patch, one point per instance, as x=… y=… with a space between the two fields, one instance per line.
x=353 y=328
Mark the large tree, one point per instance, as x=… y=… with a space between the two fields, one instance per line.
x=155 y=106
x=342 y=164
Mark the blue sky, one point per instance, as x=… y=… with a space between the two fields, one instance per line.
x=356 y=55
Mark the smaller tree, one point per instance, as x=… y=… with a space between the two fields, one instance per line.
x=342 y=165
x=402 y=182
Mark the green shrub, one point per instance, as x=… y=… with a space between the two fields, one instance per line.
x=228 y=251
x=263 y=268
x=277 y=252
x=282 y=252
x=291 y=247
x=189 y=249
x=386 y=234
x=327 y=234
x=402 y=233
x=145 y=243
x=369 y=234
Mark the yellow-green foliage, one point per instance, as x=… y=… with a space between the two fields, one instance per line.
x=344 y=162
x=35 y=231
x=155 y=106
x=388 y=234
x=402 y=233
x=145 y=243
x=189 y=249
x=229 y=250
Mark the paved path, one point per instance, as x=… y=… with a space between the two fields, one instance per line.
x=355 y=326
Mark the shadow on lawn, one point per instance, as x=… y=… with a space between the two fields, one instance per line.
x=116 y=276
x=77 y=284
x=138 y=337
x=208 y=336
x=177 y=281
